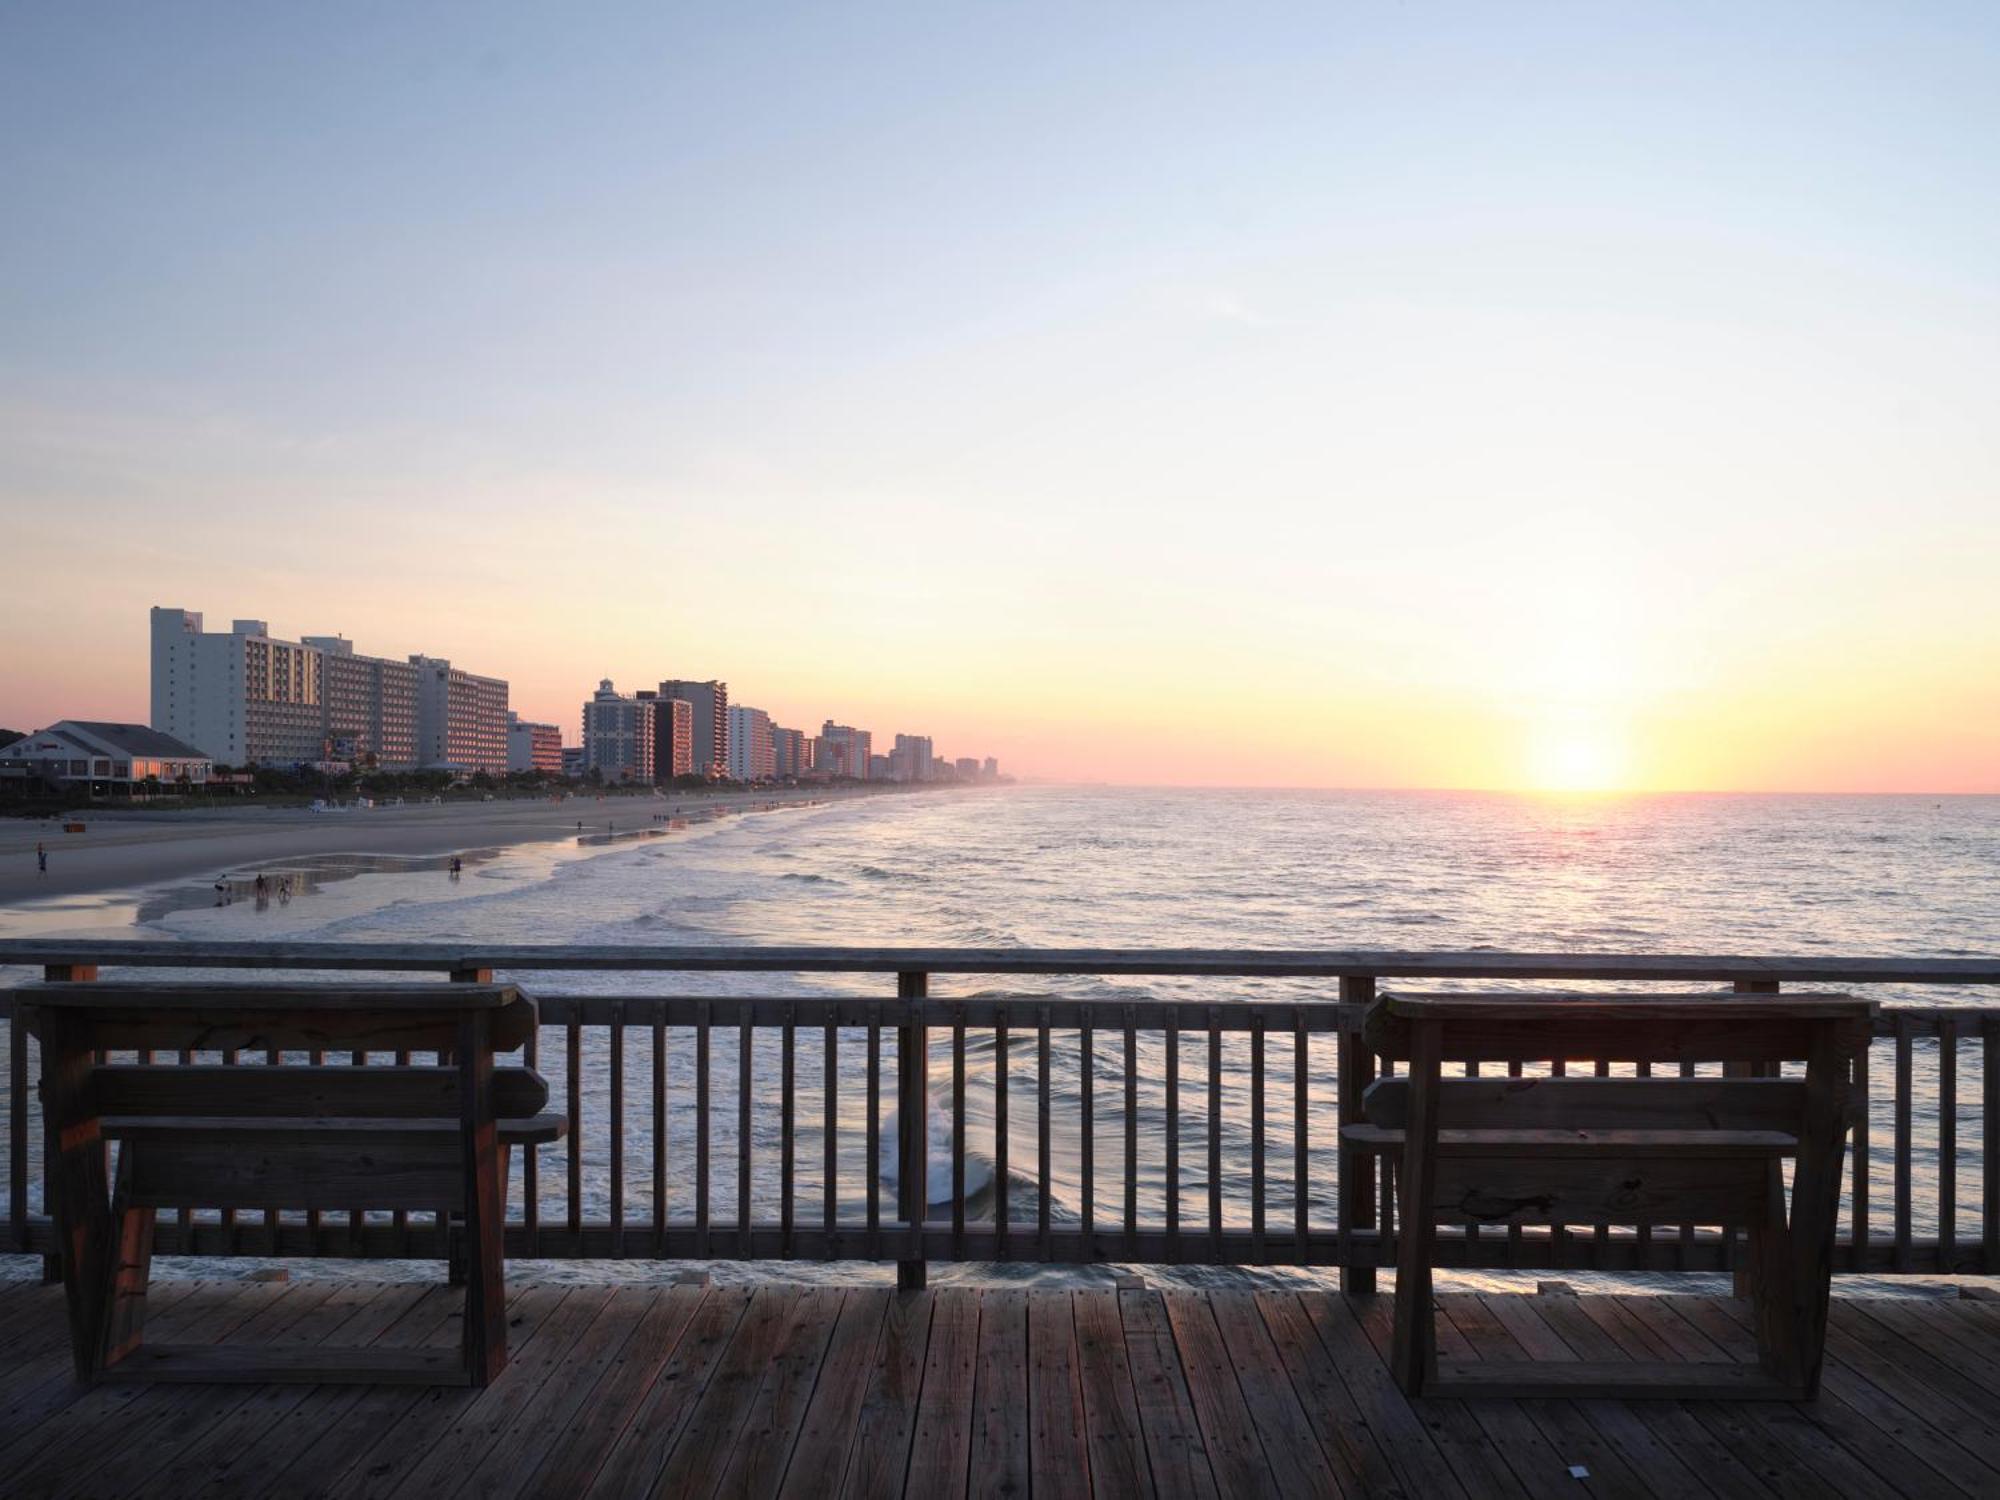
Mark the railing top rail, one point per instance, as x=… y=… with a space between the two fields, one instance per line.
x=1243 y=963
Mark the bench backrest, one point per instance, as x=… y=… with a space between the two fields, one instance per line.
x=294 y=1135
x=283 y=1017
x=1758 y=1029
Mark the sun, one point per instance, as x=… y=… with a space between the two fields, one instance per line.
x=1573 y=755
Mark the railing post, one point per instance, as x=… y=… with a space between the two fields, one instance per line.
x=1356 y=1067
x=1743 y=1278
x=912 y=1124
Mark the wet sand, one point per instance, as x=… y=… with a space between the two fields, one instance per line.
x=126 y=850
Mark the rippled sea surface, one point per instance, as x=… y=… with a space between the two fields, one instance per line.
x=1114 y=868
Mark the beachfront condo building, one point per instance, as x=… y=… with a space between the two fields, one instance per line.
x=992 y=769
x=242 y=696
x=911 y=758
x=844 y=751
x=791 y=752
x=369 y=705
x=967 y=767
x=461 y=718
x=752 y=757
x=236 y=695
x=710 y=701
x=673 y=737
x=618 y=734
x=533 y=747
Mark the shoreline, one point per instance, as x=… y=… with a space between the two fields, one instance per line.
x=127 y=852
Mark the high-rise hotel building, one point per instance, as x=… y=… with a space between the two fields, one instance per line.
x=618 y=735
x=844 y=751
x=237 y=695
x=241 y=696
x=370 y=704
x=461 y=718
x=752 y=757
x=710 y=701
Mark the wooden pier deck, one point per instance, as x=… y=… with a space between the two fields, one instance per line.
x=780 y=1389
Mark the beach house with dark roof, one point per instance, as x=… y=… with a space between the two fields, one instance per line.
x=122 y=756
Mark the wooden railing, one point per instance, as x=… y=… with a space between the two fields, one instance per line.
x=1243 y=1166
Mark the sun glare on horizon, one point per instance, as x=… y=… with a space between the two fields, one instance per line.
x=1577 y=755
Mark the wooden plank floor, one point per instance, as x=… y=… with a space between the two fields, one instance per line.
x=815 y=1391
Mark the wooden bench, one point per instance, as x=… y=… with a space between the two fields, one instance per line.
x=428 y=1137
x=1634 y=1151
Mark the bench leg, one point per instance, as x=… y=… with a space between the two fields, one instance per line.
x=1773 y=1301
x=485 y=1276
x=78 y=1194
x=1816 y=1200
x=1413 y=1348
x=125 y=1323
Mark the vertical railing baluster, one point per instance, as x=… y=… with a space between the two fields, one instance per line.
x=1903 y=1152
x=1173 y=1046
x=1354 y=1170
x=617 y=1128
x=703 y=1102
x=1601 y=1236
x=746 y=1047
x=659 y=1133
x=356 y=1058
x=1471 y=1231
x=1000 y=1167
x=1947 y=1147
x=1989 y=1180
x=1643 y=1239
x=874 y=1130
x=573 y=1078
x=787 y=1127
x=1086 y=1067
x=17 y=1127
x=1257 y=1136
x=401 y=1217
x=1687 y=1070
x=913 y=1087
x=958 y=1132
x=1301 y=1197
x=1559 y=1233
x=1131 y=1136
x=1385 y=1207
x=1214 y=1135
x=1042 y=1132
x=830 y=1145
x=531 y=1164
x=1864 y=1111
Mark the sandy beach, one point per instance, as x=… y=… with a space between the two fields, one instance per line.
x=125 y=850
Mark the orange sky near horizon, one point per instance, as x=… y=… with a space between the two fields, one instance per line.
x=1455 y=396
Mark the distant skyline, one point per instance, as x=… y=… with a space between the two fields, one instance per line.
x=1549 y=395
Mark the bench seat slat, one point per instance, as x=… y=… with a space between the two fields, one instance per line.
x=287 y=1130
x=1597 y=1103
x=125 y=1089
x=1599 y=1189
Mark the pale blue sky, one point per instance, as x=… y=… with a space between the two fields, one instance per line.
x=1210 y=337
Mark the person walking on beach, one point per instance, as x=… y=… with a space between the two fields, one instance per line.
x=42 y=860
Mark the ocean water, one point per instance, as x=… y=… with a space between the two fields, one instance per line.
x=1054 y=866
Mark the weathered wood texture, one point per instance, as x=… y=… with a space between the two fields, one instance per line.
x=869 y=1391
